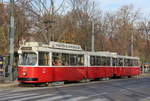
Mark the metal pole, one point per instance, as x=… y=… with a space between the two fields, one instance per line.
x=11 y=40
x=93 y=37
x=132 y=45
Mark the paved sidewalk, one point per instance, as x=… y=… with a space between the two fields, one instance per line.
x=9 y=84
x=145 y=74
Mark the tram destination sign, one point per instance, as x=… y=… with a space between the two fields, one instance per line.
x=26 y=48
x=65 y=46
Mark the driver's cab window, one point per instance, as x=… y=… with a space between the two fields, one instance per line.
x=43 y=59
x=28 y=58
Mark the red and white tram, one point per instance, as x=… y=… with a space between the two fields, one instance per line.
x=39 y=63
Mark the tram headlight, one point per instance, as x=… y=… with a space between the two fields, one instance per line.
x=24 y=73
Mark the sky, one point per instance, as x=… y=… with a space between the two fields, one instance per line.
x=112 y=5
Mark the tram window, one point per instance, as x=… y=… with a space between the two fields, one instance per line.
x=43 y=59
x=102 y=61
x=119 y=62
x=135 y=63
x=131 y=62
x=28 y=58
x=127 y=62
x=56 y=59
x=114 y=61
x=80 y=60
x=65 y=59
x=98 y=61
x=107 y=61
x=73 y=59
x=92 y=60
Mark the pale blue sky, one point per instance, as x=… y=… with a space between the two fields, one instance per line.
x=107 y=5
x=112 y=5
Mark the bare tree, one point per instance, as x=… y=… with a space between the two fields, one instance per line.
x=80 y=17
x=42 y=17
x=119 y=27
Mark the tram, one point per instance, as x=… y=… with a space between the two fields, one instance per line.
x=55 y=62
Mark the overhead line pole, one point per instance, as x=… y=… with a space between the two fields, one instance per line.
x=11 y=39
x=132 y=42
x=93 y=37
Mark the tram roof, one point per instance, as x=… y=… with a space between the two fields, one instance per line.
x=111 y=54
x=53 y=45
x=71 y=48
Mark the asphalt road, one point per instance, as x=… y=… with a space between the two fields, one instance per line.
x=135 y=89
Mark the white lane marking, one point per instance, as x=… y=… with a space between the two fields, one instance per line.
x=55 y=98
x=3 y=90
x=32 y=97
x=84 y=97
x=145 y=99
x=4 y=93
x=17 y=96
x=100 y=99
x=77 y=98
x=10 y=94
x=97 y=94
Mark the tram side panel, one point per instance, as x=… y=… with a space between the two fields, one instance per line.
x=124 y=71
x=69 y=73
x=95 y=72
x=118 y=71
x=127 y=71
x=108 y=71
x=46 y=74
x=99 y=72
x=130 y=71
x=135 y=71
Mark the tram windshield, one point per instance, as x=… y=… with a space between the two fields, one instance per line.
x=28 y=58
